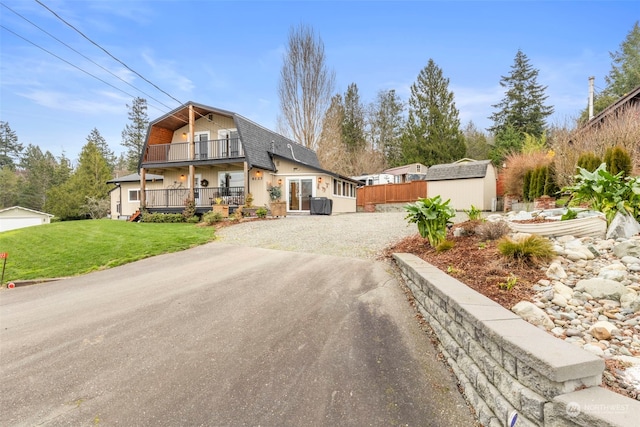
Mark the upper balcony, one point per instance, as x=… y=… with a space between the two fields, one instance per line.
x=216 y=149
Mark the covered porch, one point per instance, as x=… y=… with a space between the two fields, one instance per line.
x=173 y=200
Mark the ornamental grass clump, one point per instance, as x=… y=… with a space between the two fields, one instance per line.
x=432 y=217
x=531 y=250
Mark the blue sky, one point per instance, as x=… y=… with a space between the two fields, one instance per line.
x=228 y=54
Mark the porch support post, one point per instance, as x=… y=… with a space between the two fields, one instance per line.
x=192 y=152
x=143 y=184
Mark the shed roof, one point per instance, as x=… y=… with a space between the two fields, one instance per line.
x=462 y=169
x=20 y=208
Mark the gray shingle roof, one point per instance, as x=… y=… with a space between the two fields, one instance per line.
x=462 y=170
x=258 y=142
x=135 y=177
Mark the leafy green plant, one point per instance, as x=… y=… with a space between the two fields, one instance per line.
x=530 y=250
x=473 y=213
x=432 y=217
x=262 y=212
x=606 y=192
x=570 y=214
x=510 y=283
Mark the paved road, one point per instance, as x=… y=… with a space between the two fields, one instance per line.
x=222 y=335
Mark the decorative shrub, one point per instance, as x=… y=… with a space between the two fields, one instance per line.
x=492 y=230
x=589 y=161
x=262 y=212
x=531 y=250
x=189 y=209
x=162 y=217
x=212 y=217
x=618 y=160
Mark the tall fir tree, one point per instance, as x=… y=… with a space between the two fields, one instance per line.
x=624 y=75
x=134 y=133
x=39 y=176
x=101 y=145
x=353 y=120
x=432 y=133
x=522 y=109
x=385 y=126
x=10 y=148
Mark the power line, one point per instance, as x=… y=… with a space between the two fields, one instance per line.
x=65 y=61
x=107 y=52
x=87 y=58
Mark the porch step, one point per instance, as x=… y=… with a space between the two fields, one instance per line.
x=136 y=216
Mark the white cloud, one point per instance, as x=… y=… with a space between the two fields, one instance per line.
x=109 y=103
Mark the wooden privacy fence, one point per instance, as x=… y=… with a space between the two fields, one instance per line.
x=407 y=192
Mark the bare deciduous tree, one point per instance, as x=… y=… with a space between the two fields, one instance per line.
x=622 y=130
x=305 y=88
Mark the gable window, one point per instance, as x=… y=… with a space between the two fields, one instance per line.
x=134 y=195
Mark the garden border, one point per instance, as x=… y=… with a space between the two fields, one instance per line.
x=506 y=365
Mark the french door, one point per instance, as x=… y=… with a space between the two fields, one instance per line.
x=300 y=191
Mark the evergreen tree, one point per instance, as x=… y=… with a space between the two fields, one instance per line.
x=10 y=187
x=331 y=149
x=432 y=133
x=102 y=146
x=39 y=176
x=508 y=140
x=624 y=75
x=476 y=143
x=385 y=126
x=523 y=104
x=10 y=148
x=625 y=66
x=133 y=135
x=88 y=181
x=353 y=120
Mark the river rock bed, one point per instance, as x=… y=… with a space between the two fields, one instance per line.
x=591 y=298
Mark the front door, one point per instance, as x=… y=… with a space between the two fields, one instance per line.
x=300 y=191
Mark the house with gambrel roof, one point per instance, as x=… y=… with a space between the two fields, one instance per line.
x=206 y=154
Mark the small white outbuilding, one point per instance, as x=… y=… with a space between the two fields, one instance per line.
x=18 y=217
x=466 y=183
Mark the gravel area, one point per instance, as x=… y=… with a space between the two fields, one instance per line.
x=357 y=235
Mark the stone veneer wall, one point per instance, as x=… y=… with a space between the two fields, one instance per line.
x=505 y=364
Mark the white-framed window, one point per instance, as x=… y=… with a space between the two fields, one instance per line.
x=134 y=195
x=343 y=188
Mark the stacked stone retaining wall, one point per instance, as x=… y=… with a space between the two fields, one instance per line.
x=508 y=366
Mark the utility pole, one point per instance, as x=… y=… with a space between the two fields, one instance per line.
x=591 y=97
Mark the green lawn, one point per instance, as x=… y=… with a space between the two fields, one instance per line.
x=76 y=247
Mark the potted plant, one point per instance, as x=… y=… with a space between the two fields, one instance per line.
x=278 y=208
x=219 y=207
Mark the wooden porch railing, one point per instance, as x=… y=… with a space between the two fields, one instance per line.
x=204 y=150
x=177 y=197
x=407 y=192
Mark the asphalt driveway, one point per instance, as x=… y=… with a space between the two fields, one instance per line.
x=222 y=335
